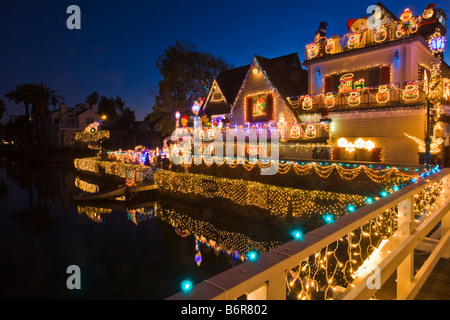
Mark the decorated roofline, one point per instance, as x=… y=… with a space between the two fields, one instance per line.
x=256 y=63
x=378 y=29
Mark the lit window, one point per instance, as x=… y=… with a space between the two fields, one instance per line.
x=217 y=96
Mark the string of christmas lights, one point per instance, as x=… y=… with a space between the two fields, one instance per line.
x=332 y=269
x=323 y=171
x=279 y=201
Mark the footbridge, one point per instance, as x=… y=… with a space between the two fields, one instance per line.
x=361 y=255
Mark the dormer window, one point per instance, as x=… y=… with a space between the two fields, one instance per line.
x=217 y=96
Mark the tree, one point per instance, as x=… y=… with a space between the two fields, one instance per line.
x=43 y=96
x=111 y=107
x=126 y=119
x=2 y=108
x=23 y=94
x=187 y=75
x=93 y=98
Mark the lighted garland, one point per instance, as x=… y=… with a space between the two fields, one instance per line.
x=95 y=165
x=323 y=171
x=279 y=201
x=86 y=186
x=87 y=136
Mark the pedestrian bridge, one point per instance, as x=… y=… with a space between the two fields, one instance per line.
x=366 y=254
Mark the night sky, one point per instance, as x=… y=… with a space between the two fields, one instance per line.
x=116 y=50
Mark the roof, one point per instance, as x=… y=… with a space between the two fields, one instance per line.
x=414 y=37
x=230 y=81
x=285 y=73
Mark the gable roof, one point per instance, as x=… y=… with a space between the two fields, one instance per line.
x=288 y=78
x=285 y=73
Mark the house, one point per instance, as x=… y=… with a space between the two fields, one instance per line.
x=65 y=122
x=374 y=83
x=364 y=96
x=265 y=83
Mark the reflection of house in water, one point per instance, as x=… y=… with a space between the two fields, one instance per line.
x=205 y=234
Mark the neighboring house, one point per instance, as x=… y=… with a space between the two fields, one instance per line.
x=65 y=122
x=363 y=96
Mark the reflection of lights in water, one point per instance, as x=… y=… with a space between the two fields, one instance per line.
x=93 y=213
x=206 y=234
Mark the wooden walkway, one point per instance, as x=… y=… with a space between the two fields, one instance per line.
x=436 y=287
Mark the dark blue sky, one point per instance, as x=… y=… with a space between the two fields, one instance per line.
x=115 y=51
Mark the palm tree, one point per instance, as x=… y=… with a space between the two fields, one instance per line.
x=43 y=96
x=23 y=93
x=2 y=108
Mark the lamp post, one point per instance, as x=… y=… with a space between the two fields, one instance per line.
x=177 y=116
x=436 y=44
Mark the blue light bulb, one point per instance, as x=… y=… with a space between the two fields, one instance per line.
x=252 y=256
x=186 y=286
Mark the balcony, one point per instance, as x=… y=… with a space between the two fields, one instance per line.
x=412 y=93
x=68 y=125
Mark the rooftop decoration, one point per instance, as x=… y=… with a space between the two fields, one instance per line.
x=381 y=26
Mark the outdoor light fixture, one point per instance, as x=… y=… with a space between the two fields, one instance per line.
x=384 y=193
x=177 y=116
x=195 y=108
x=351 y=208
x=436 y=42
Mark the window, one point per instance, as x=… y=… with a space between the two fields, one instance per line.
x=348 y=81
x=217 y=96
x=259 y=107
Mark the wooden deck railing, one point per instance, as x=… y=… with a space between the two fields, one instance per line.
x=417 y=209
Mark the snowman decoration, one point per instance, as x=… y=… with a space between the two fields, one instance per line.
x=411 y=91
x=383 y=94
x=307 y=103
x=310 y=130
x=329 y=100
x=354 y=98
x=295 y=131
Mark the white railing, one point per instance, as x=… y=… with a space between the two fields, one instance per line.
x=405 y=218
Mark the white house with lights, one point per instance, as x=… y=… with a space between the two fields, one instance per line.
x=374 y=82
x=362 y=97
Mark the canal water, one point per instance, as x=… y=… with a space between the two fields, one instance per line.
x=140 y=253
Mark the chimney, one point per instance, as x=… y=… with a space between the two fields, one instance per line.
x=62 y=110
x=94 y=108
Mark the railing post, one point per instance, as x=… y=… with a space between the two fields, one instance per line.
x=276 y=287
x=445 y=223
x=406 y=225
